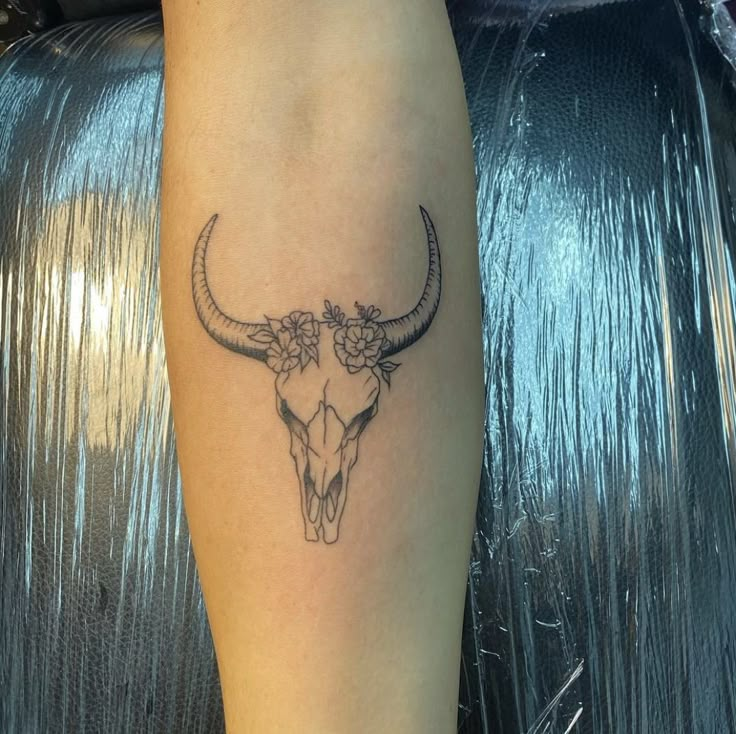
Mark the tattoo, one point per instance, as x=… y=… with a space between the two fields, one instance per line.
x=328 y=376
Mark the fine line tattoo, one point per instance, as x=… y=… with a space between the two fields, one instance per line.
x=328 y=376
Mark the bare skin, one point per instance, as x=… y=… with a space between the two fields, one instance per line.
x=314 y=131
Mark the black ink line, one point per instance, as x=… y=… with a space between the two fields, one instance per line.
x=290 y=345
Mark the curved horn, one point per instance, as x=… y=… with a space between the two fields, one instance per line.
x=234 y=335
x=404 y=331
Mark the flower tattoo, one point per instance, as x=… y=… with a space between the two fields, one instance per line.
x=358 y=344
x=302 y=327
x=328 y=372
x=283 y=354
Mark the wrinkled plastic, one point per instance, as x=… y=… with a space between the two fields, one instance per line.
x=102 y=625
x=509 y=12
x=601 y=587
x=79 y=9
x=722 y=29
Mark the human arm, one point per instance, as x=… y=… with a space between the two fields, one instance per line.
x=315 y=131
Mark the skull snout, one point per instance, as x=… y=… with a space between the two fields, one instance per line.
x=325 y=429
x=311 y=497
x=332 y=496
x=323 y=496
x=324 y=470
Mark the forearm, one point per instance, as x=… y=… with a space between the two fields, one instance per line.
x=315 y=131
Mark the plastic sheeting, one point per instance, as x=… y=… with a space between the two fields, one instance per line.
x=102 y=624
x=78 y=9
x=509 y=12
x=18 y=19
x=601 y=592
x=602 y=588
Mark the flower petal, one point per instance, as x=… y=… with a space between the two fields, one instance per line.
x=341 y=353
x=372 y=349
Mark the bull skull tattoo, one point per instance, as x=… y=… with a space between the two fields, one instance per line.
x=326 y=393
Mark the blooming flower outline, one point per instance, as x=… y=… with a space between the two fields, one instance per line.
x=284 y=352
x=358 y=344
x=303 y=327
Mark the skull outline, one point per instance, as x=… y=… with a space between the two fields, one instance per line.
x=329 y=378
x=326 y=409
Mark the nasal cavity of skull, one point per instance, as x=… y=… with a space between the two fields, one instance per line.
x=333 y=495
x=313 y=501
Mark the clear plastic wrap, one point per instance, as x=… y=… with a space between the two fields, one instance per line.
x=602 y=584
x=509 y=12
x=102 y=625
x=601 y=588
x=77 y=9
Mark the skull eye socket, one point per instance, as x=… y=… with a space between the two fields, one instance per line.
x=291 y=420
x=359 y=423
x=286 y=413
